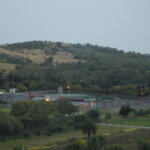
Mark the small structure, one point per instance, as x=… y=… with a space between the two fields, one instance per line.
x=60 y=90
x=13 y=90
x=1 y=93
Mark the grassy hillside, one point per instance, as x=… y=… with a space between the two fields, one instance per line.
x=47 y=65
x=38 y=56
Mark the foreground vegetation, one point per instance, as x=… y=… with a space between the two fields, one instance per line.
x=58 y=125
x=126 y=138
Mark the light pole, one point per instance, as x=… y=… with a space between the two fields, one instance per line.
x=68 y=87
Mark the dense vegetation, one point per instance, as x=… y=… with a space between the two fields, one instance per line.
x=37 y=118
x=59 y=122
x=101 y=70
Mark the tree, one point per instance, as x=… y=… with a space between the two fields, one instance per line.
x=17 y=127
x=65 y=107
x=124 y=111
x=33 y=115
x=22 y=87
x=89 y=127
x=5 y=126
x=96 y=143
x=79 y=119
x=94 y=115
x=77 y=145
x=9 y=126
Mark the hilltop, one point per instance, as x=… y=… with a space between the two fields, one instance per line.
x=41 y=65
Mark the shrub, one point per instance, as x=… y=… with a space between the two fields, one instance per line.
x=124 y=111
x=3 y=102
x=94 y=115
x=96 y=143
x=108 y=116
x=142 y=145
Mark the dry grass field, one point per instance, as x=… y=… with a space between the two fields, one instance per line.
x=7 y=67
x=38 y=56
x=65 y=57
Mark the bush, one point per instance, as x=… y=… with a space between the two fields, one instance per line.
x=124 y=110
x=76 y=146
x=142 y=145
x=3 y=102
x=108 y=116
x=94 y=115
x=79 y=120
x=96 y=143
x=140 y=112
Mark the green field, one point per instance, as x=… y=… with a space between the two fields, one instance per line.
x=131 y=120
x=7 y=109
x=114 y=135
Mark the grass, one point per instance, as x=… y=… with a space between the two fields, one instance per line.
x=116 y=135
x=65 y=57
x=131 y=120
x=7 y=67
x=4 y=91
x=7 y=109
x=38 y=56
x=125 y=136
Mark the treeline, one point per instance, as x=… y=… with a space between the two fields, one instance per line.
x=104 y=70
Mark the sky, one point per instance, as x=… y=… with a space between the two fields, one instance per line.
x=121 y=24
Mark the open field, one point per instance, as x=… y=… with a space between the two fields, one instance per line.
x=7 y=109
x=65 y=57
x=38 y=56
x=131 y=120
x=114 y=135
x=7 y=67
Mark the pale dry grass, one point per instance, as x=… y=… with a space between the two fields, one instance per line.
x=65 y=57
x=38 y=56
x=7 y=67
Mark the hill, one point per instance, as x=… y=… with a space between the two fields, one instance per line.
x=39 y=65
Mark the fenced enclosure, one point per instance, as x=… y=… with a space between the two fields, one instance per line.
x=100 y=100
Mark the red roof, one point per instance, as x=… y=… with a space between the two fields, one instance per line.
x=76 y=100
x=34 y=95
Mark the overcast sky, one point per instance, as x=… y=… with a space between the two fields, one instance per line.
x=123 y=24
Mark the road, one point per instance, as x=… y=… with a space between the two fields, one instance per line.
x=127 y=126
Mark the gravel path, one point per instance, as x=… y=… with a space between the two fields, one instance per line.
x=127 y=126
